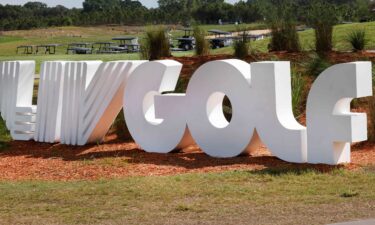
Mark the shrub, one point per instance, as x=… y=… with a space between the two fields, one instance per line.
x=202 y=46
x=322 y=16
x=316 y=65
x=241 y=46
x=155 y=45
x=357 y=39
x=120 y=129
x=182 y=84
x=298 y=93
x=284 y=38
x=371 y=104
x=281 y=18
x=371 y=130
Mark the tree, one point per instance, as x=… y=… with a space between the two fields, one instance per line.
x=281 y=17
x=322 y=16
x=283 y=13
x=35 y=5
x=362 y=10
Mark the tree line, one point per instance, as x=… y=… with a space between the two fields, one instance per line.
x=186 y=12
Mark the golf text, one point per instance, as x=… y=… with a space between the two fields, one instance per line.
x=79 y=100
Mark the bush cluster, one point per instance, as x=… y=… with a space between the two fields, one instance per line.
x=156 y=44
x=316 y=64
x=281 y=17
x=322 y=16
x=298 y=93
x=241 y=46
x=357 y=39
x=202 y=46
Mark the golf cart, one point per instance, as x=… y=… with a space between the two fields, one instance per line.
x=186 y=42
x=222 y=39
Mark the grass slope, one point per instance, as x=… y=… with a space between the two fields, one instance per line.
x=65 y=35
x=307 y=38
x=265 y=197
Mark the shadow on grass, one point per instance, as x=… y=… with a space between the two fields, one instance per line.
x=296 y=170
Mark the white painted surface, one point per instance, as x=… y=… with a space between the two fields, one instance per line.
x=331 y=127
x=260 y=95
x=16 y=90
x=78 y=102
x=157 y=122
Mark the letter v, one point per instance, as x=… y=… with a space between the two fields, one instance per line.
x=91 y=104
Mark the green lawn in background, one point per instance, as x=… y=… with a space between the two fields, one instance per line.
x=307 y=39
x=8 y=44
x=65 y=35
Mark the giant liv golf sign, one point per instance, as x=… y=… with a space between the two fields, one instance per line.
x=78 y=101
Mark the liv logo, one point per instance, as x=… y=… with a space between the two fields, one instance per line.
x=78 y=101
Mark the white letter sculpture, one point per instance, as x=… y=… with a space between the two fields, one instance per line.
x=93 y=99
x=331 y=127
x=259 y=101
x=50 y=94
x=78 y=102
x=156 y=122
x=16 y=89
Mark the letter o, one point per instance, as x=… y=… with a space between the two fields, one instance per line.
x=206 y=90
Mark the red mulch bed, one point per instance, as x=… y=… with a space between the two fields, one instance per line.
x=114 y=159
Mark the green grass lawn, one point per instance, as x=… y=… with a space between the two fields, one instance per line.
x=242 y=197
x=307 y=39
x=226 y=27
x=64 y=35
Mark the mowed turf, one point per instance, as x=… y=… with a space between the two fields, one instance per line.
x=307 y=39
x=264 y=197
x=65 y=35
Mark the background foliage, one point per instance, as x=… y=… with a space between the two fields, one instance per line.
x=187 y=12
